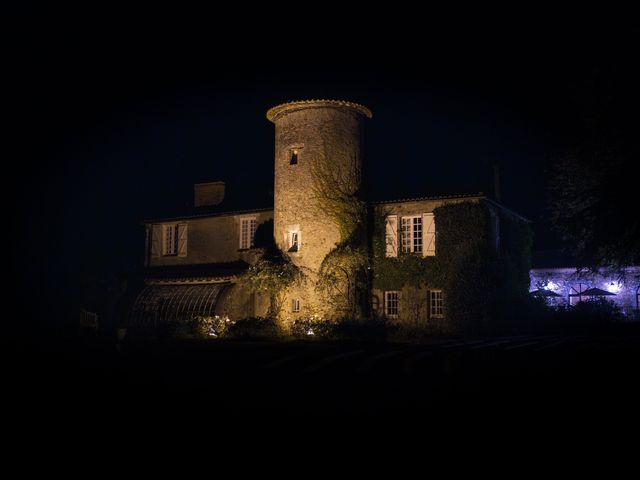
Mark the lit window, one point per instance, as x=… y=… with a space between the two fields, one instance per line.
x=575 y=293
x=247 y=232
x=411 y=234
x=436 y=304
x=391 y=304
x=294 y=241
x=293 y=158
x=170 y=243
x=295 y=305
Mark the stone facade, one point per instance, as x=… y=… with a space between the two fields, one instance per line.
x=210 y=239
x=306 y=135
x=413 y=303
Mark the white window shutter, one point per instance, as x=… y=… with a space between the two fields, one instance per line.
x=428 y=235
x=182 y=239
x=156 y=241
x=391 y=235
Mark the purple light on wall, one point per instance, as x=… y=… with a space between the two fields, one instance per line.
x=614 y=287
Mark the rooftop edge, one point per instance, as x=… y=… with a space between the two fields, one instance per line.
x=274 y=112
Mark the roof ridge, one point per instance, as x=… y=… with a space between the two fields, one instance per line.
x=433 y=197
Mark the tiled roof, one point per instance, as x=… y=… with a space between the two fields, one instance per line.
x=435 y=197
x=204 y=273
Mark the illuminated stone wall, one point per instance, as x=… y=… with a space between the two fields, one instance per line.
x=317 y=131
x=213 y=239
x=560 y=281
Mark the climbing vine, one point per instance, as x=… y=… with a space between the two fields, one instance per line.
x=335 y=190
x=272 y=274
x=479 y=282
x=343 y=276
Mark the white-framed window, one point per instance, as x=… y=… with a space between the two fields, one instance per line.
x=293 y=244
x=295 y=305
x=436 y=304
x=391 y=303
x=170 y=239
x=411 y=229
x=247 y=232
x=575 y=293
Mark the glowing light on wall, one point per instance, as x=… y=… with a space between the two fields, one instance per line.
x=614 y=287
x=550 y=285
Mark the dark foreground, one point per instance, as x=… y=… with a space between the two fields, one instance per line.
x=519 y=382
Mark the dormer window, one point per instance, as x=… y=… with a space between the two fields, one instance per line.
x=293 y=157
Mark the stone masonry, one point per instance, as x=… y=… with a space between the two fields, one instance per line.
x=313 y=131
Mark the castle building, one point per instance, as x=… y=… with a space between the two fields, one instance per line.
x=199 y=263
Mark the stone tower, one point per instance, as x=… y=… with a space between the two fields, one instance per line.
x=309 y=133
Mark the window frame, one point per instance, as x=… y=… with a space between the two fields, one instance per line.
x=290 y=243
x=436 y=303
x=578 y=294
x=294 y=151
x=248 y=242
x=412 y=238
x=391 y=303
x=295 y=305
x=166 y=229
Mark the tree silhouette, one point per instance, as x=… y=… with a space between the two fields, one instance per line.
x=595 y=205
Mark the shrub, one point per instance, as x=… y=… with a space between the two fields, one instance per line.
x=253 y=328
x=343 y=329
x=589 y=315
x=312 y=329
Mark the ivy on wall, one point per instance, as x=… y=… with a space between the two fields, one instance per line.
x=480 y=285
x=273 y=272
x=343 y=275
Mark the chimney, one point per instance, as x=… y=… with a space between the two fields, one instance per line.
x=208 y=194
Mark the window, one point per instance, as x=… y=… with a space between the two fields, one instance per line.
x=638 y=298
x=170 y=239
x=295 y=305
x=294 y=241
x=436 y=304
x=575 y=293
x=411 y=234
x=247 y=232
x=391 y=304
x=293 y=157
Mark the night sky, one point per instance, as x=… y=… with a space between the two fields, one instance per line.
x=117 y=119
